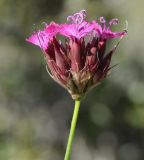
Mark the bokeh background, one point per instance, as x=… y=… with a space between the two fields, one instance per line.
x=35 y=112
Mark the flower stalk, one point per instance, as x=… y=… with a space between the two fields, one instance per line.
x=72 y=130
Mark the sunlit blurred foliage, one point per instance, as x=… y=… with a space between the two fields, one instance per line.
x=35 y=112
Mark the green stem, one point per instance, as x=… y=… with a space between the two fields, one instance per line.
x=72 y=130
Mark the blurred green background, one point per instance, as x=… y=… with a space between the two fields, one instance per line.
x=35 y=112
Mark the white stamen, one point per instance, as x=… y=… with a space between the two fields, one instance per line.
x=102 y=20
x=45 y=24
x=77 y=18
x=113 y=22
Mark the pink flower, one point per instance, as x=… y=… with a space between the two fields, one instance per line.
x=81 y=62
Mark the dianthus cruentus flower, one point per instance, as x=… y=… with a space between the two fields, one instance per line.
x=81 y=61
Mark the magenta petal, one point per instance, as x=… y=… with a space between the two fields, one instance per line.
x=33 y=39
x=68 y=30
x=41 y=38
x=52 y=29
x=109 y=34
x=76 y=30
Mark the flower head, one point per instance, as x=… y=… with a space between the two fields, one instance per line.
x=81 y=62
